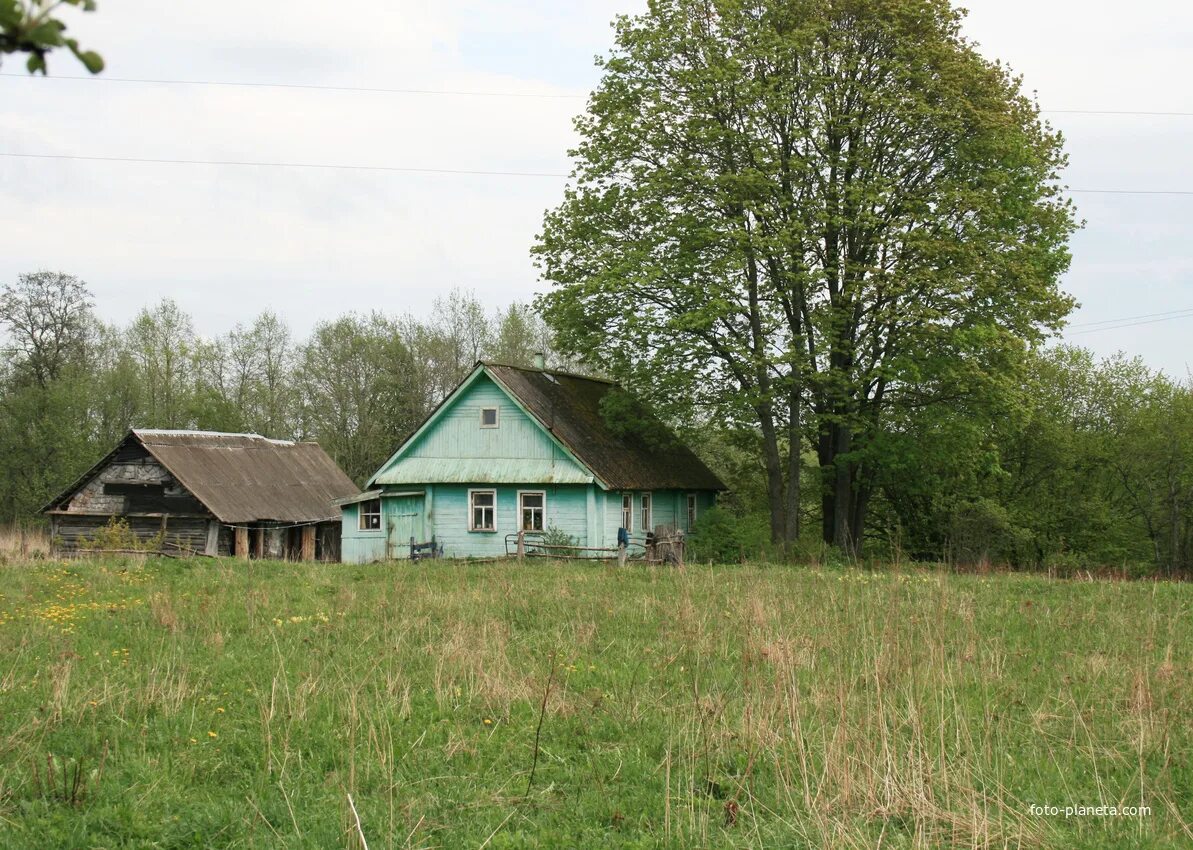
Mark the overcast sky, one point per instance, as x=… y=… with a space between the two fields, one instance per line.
x=228 y=242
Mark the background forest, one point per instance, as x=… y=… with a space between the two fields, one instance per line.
x=1080 y=465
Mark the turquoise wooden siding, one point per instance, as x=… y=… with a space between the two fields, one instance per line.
x=566 y=509
x=402 y=517
x=452 y=454
x=669 y=507
x=457 y=449
x=443 y=512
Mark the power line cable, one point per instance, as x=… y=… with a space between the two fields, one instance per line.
x=1174 y=313
x=312 y=87
x=1128 y=325
x=1130 y=191
x=258 y=164
x=471 y=93
x=422 y=170
x=1142 y=112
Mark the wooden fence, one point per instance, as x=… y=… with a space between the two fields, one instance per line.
x=650 y=548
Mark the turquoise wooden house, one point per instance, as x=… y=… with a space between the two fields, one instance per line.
x=514 y=449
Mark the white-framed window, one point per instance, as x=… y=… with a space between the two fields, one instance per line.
x=370 y=515
x=692 y=506
x=532 y=510
x=482 y=510
x=627 y=511
x=647 y=526
x=489 y=417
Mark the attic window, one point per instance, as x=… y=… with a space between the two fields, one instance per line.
x=488 y=417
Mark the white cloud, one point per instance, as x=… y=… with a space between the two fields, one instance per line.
x=228 y=242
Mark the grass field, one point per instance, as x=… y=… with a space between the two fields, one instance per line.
x=176 y=704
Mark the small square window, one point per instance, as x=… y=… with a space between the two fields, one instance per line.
x=488 y=417
x=370 y=515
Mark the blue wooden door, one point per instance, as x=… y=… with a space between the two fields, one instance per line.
x=404 y=519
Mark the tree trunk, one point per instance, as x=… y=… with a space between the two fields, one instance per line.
x=842 y=490
x=857 y=518
x=794 y=469
x=774 y=473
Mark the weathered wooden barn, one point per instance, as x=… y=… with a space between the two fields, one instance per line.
x=209 y=493
x=516 y=451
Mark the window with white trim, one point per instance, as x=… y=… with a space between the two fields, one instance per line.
x=647 y=527
x=482 y=510
x=692 y=504
x=370 y=515
x=489 y=417
x=627 y=511
x=532 y=508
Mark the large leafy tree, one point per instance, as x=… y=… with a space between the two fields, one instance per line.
x=811 y=218
x=359 y=391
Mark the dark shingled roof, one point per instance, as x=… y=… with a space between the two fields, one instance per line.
x=245 y=477
x=569 y=406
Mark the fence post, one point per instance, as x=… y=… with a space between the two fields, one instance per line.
x=413 y=551
x=521 y=545
x=621 y=554
x=679 y=547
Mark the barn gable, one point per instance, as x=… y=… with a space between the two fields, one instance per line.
x=209 y=492
x=129 y=481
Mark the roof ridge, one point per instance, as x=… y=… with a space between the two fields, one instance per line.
x=187 y=432
x=562 y=372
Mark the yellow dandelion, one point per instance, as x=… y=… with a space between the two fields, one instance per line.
x=488 y=722
x=220 y=710
x=212 y=734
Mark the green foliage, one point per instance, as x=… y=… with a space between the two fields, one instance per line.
x=29 y=26
x=251 y=698
x=360 y=390
x=722 y=537
x=981 y=532
x=556 y=542
x=116 y=535
x=812 y=219
x=630 y=419
x=71 y=386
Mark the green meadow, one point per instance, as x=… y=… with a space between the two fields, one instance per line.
x=171 y=704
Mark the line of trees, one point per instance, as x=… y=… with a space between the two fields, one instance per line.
x=71 y=385
x=1082 y=465
x=1073 y=464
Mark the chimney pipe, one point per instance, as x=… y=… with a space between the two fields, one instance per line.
x=540 y=362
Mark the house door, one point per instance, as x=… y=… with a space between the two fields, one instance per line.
x=403 y=520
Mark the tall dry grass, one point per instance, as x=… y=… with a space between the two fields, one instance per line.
x=708 y=707
x=19 y=542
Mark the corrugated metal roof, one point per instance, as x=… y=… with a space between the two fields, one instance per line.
x=247 y=477
x=482 y=470
x=242 y=477
x=569 y=407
